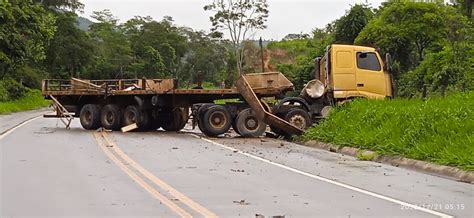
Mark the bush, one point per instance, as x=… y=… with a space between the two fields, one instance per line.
x=14 y=89
x=3 y=93
x=439 y=129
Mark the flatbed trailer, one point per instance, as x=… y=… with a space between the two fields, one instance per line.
x=159 y=103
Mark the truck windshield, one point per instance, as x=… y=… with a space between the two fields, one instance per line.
x=368 y=61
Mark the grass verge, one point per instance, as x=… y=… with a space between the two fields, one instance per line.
x=32 y=100
x=439 y=130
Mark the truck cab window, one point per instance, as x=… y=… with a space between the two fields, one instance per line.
x=368 y=61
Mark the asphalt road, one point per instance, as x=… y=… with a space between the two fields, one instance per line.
x=49 y=171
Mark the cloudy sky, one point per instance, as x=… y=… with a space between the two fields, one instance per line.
x=286 y=16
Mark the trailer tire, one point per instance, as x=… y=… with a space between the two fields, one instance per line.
x=133 y=114
x=155 y=123
x=234 y=126
x=215 y=121
x=90 y=116
x=175 y=121
x=299 y=118
x=248 y=125
x=111 y=117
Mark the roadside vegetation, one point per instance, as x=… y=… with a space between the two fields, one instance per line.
x=31 y=100
x=438 y=129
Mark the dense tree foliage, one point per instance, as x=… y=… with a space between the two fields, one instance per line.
x=432 y=45
x=352 y=23
x=26 y=28
x=412 y=31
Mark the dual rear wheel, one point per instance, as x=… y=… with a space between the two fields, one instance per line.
x=216 y=120
x=114 y=117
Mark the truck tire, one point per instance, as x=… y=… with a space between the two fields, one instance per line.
x=90 y=116
x=248 y=125
x=155 y=123
x=175 y=121
x=299 y=118
x=234 y=125
x=111 y=117
x=215 y=121
x=133 y=114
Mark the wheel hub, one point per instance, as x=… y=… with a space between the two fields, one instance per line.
x=298 y=121
x=217 y=120
x=251 y=123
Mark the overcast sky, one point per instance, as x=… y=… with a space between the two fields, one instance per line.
x=286 y=16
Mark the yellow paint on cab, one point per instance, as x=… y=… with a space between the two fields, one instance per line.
x=347 y=79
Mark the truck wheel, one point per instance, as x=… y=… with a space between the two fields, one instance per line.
x=155 y=124
x=248 y=124
x=90 y=116
x=215 y=121
x=175 y=121
x=299 y=118
x=234 y=126
x=111 y=117
x=133 y=114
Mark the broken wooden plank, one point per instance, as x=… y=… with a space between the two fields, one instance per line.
x=129 y=128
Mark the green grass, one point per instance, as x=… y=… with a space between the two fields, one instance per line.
x=32 y=100
x=439 y=130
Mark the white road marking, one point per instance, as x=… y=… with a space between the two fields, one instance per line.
x=373 y=194
x=9 y=131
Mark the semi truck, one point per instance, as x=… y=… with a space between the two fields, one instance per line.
x=345 y=72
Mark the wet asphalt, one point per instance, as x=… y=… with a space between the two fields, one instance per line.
x=49 y=171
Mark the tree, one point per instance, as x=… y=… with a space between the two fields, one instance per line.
x=70 y=51
x=62 y=4
x=114 y=53
x=352 y=23
x=294 y=36
x=207 y=56
x=25 y=30
x=240 y=18
x=406 y=30
x=464 y=5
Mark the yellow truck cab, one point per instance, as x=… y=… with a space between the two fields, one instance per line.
x=354 y=71
x=345 y=72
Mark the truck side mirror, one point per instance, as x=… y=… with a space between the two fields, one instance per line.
x=388 y=62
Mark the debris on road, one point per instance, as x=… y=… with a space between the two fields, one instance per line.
x=129 y=128
x=241 y=202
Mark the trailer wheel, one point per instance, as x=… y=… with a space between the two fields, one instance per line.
x=234 y=126
x=216 y=120
x=299 y=118
x=248 y=125
x=133 y=114
x=111 y=117
x=175 y=121
x=90 y=116
x=155 y=123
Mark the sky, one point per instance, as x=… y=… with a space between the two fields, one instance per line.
x=286 y=16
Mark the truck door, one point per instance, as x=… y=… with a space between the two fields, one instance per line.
x=369 y=74
x=343 y=69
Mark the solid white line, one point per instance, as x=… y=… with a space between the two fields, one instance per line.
x=373 y=194
x=3 y=135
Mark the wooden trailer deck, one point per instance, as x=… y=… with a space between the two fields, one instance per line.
x=264 y=85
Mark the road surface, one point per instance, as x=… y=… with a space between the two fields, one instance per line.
x=49 y=171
